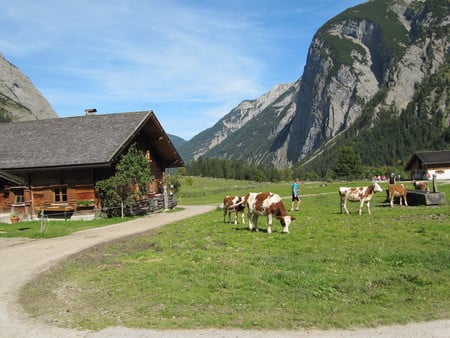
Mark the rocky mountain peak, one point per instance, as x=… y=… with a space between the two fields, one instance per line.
x=20 y=100
x=351 y=59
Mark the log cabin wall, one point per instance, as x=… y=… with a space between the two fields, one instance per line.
x=8 y=197
x=63 y=187
x=15 y=199
x=69 y=187
x=4 y=197
x=158 y=175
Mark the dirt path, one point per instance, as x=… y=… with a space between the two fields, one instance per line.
x=21 y=260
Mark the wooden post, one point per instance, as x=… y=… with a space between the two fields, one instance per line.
x=434 y=183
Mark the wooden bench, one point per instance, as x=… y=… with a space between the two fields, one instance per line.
x=56 y=211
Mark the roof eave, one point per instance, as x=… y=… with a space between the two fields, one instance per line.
x=63 y=167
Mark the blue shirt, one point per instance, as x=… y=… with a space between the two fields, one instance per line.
x=295 y=188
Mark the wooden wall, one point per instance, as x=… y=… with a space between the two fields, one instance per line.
x=79 y=184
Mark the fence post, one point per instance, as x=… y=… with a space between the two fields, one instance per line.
x=166 y=198
x=41 y=230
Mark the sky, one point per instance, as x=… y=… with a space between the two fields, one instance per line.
x=190 y=61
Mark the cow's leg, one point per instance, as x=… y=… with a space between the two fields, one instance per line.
x=255 y=222
x=225 y=211
x=235 y=217
x=229 y=215
x=250 y=221
x=269 y=223
x=404 y=199
x=243 y=217
x=345 y=207
x=368 y=208
x=392 y=201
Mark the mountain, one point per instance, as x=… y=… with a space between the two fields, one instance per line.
x=251 y=131
x=373 y=54
x=380 y=61
x=176 y=140
x=20 y=100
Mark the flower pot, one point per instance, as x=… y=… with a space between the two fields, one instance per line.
x=14 y=219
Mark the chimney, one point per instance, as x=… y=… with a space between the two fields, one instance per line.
x=90 y=111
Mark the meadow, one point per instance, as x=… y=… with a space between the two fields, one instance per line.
x=332 y=270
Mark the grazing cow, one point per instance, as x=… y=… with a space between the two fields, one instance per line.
x=397 y=190
x=422 y=186
x=234 y=204
x=266 y=204
x=358 y=194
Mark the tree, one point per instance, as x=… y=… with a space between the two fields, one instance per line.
x=348 y=163
x=5 y=116
x=129 y=182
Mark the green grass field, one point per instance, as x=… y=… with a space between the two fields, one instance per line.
x=53 y=228
x=332 y=270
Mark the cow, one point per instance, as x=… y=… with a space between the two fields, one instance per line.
x=422 y=186
x=234 y=204
x=397 y=190
x=266 y=204
x=358 y=194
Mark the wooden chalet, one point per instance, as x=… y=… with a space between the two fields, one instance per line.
x=55 y=163
x=423 y=165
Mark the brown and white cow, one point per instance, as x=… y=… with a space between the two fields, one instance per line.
x=233 y=204
x=397 y=190
x=422 y=186
x=266 y=204
x=358 y=194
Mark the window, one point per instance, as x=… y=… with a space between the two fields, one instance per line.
x=60 y=194
x=20 y=199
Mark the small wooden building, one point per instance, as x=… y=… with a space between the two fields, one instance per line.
x=423 y=165
x=55 y=163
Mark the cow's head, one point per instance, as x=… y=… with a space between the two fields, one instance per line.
x=377 y=188
x=285 y=222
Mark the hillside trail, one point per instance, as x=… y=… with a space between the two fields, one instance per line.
x=23 y=259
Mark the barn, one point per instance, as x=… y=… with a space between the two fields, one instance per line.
x=423 y=165
x=54 y=164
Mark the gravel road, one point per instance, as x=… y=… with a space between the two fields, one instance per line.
x=21 y=260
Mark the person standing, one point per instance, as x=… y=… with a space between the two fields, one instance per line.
x=295 y=194
x=392 y=179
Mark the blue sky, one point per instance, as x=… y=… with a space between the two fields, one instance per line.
x=189 y=61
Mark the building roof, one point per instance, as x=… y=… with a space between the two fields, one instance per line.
x=427 y=158
x=94 y=140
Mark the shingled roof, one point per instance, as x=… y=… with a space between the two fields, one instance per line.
x=95 y=140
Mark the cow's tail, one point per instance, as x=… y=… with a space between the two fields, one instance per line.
x=235 y=205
